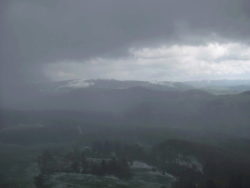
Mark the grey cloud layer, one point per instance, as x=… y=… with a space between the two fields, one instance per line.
x=36 y=32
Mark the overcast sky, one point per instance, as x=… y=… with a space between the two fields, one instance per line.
x=53 y=40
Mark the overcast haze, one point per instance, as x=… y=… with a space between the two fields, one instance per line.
x=53 y=40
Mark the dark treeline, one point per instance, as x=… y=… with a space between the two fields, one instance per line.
x=77 y=162
x=121 y=150
x=220 y=168
x=115 y=158
x=97 y=160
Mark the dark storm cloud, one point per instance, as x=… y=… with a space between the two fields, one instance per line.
x=35 y=32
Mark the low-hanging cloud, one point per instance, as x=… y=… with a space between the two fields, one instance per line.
x=170 y=62
x=63 y=34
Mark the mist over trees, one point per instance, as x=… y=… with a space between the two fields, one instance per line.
x=124 y=94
